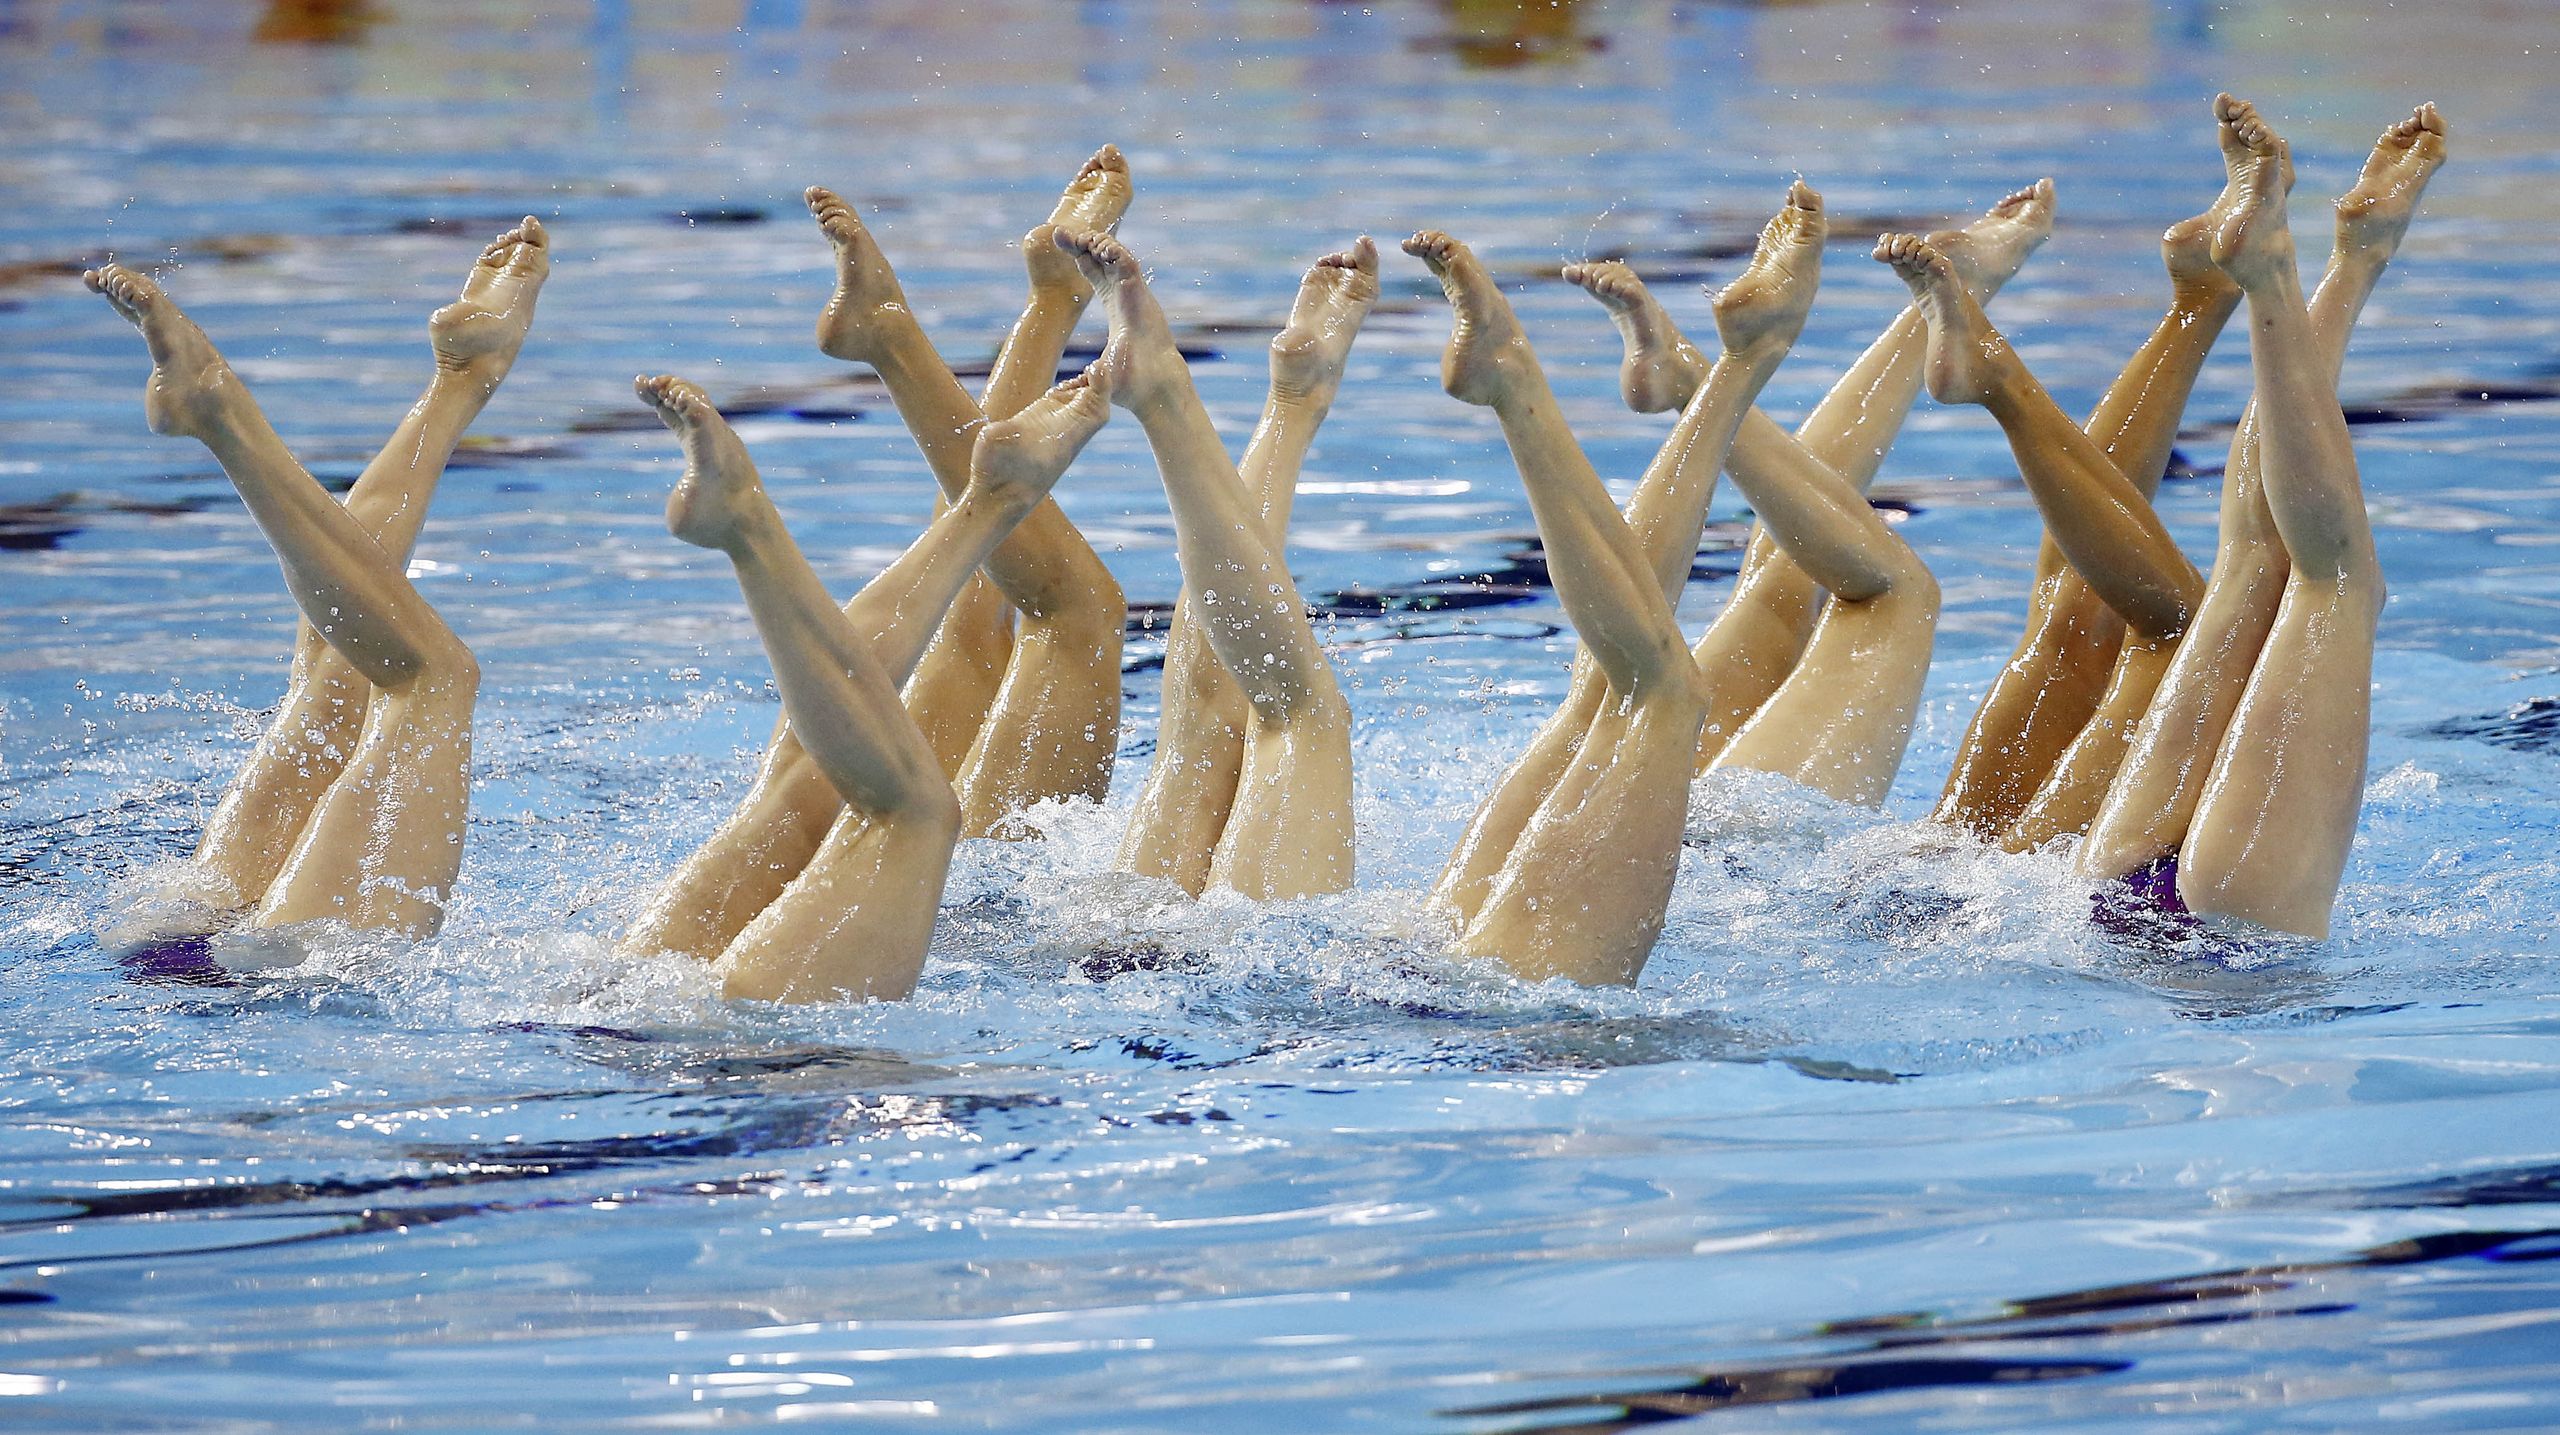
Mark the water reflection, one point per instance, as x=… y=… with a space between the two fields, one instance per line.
x=316 y=22
x=1507 y=34
x=2056 y=1323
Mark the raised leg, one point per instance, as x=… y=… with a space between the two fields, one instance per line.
x=1567 y=868
x=1608 y=577
x=384 y=843
x=1058 y=706
x=780 y=826
x=321 y=719
x=1755 y=641
x=1758 y=317
x=1759 y=314
x=1054 y=726
x=2051 y=731
x=2098 y=516
x=1289 y=832
x=1199 y=755
x=2278 y=814
x=1840 y=721
x=2140 y=414
x=2149 y=806
x=856 y=922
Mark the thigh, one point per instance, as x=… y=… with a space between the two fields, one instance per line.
x=1055 y=726
x=1506 y=811
x=855 y=924
x=1842 y=720
x=2150 y=801
x=383 y=847
x=716 y=891
x=1585 y=889
x=2271 y=833
x=1289 y=834
x=270 y=801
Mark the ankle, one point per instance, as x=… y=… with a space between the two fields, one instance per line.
x=1071 y=293
x=468 y=384
x=2204 y=297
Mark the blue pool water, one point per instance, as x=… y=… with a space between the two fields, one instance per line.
x=1889 y=1138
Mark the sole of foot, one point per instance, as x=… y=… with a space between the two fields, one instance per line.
x=1962 y=343
x=2375 y=213
x=1018 y=460
x=867 y=295
x=486 y=326
x=1094 y=202
x=1990 y=251
x=1763 y=309
x=1308 y=354
x=2252 y=243
x=1140 y=361
x=1483 y=361
x=189 y=380
x=1661 y=368
x=713 y=502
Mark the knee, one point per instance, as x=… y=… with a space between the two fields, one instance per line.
x=1680 y=693
x=1083 y=632
x=1912 y=585
x=448 y=668
x=1088 y=607
x=930 y=811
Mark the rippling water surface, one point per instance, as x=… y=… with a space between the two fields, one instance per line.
x=1890 y=1137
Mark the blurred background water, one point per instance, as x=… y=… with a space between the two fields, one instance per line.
x=1886 y=1140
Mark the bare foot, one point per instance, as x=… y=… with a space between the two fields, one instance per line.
x=1989 y=252
x=1759 y=314
x=719 y=494
x=1661 y=368
x=1966 y=354
x=2252 y=243
x=1307 y=356
x=1094 y=202
x=189 y=383
x=1018 y=460
x=1097 y=196
x=1488 y=356
x=481 y=332
x=2376 y=212
x=1140 y=364
x=2186 y=247
x=2238 y=162
x=867 y=295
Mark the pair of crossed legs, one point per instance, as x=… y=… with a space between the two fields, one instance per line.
x=2049 y=742
x=1251 y=786
x=855 y=917
x=1566 y=867
x=2166 y=738
x=1013 y=717
x=352 y=806
x=1754 y=643
x=1581 y=885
